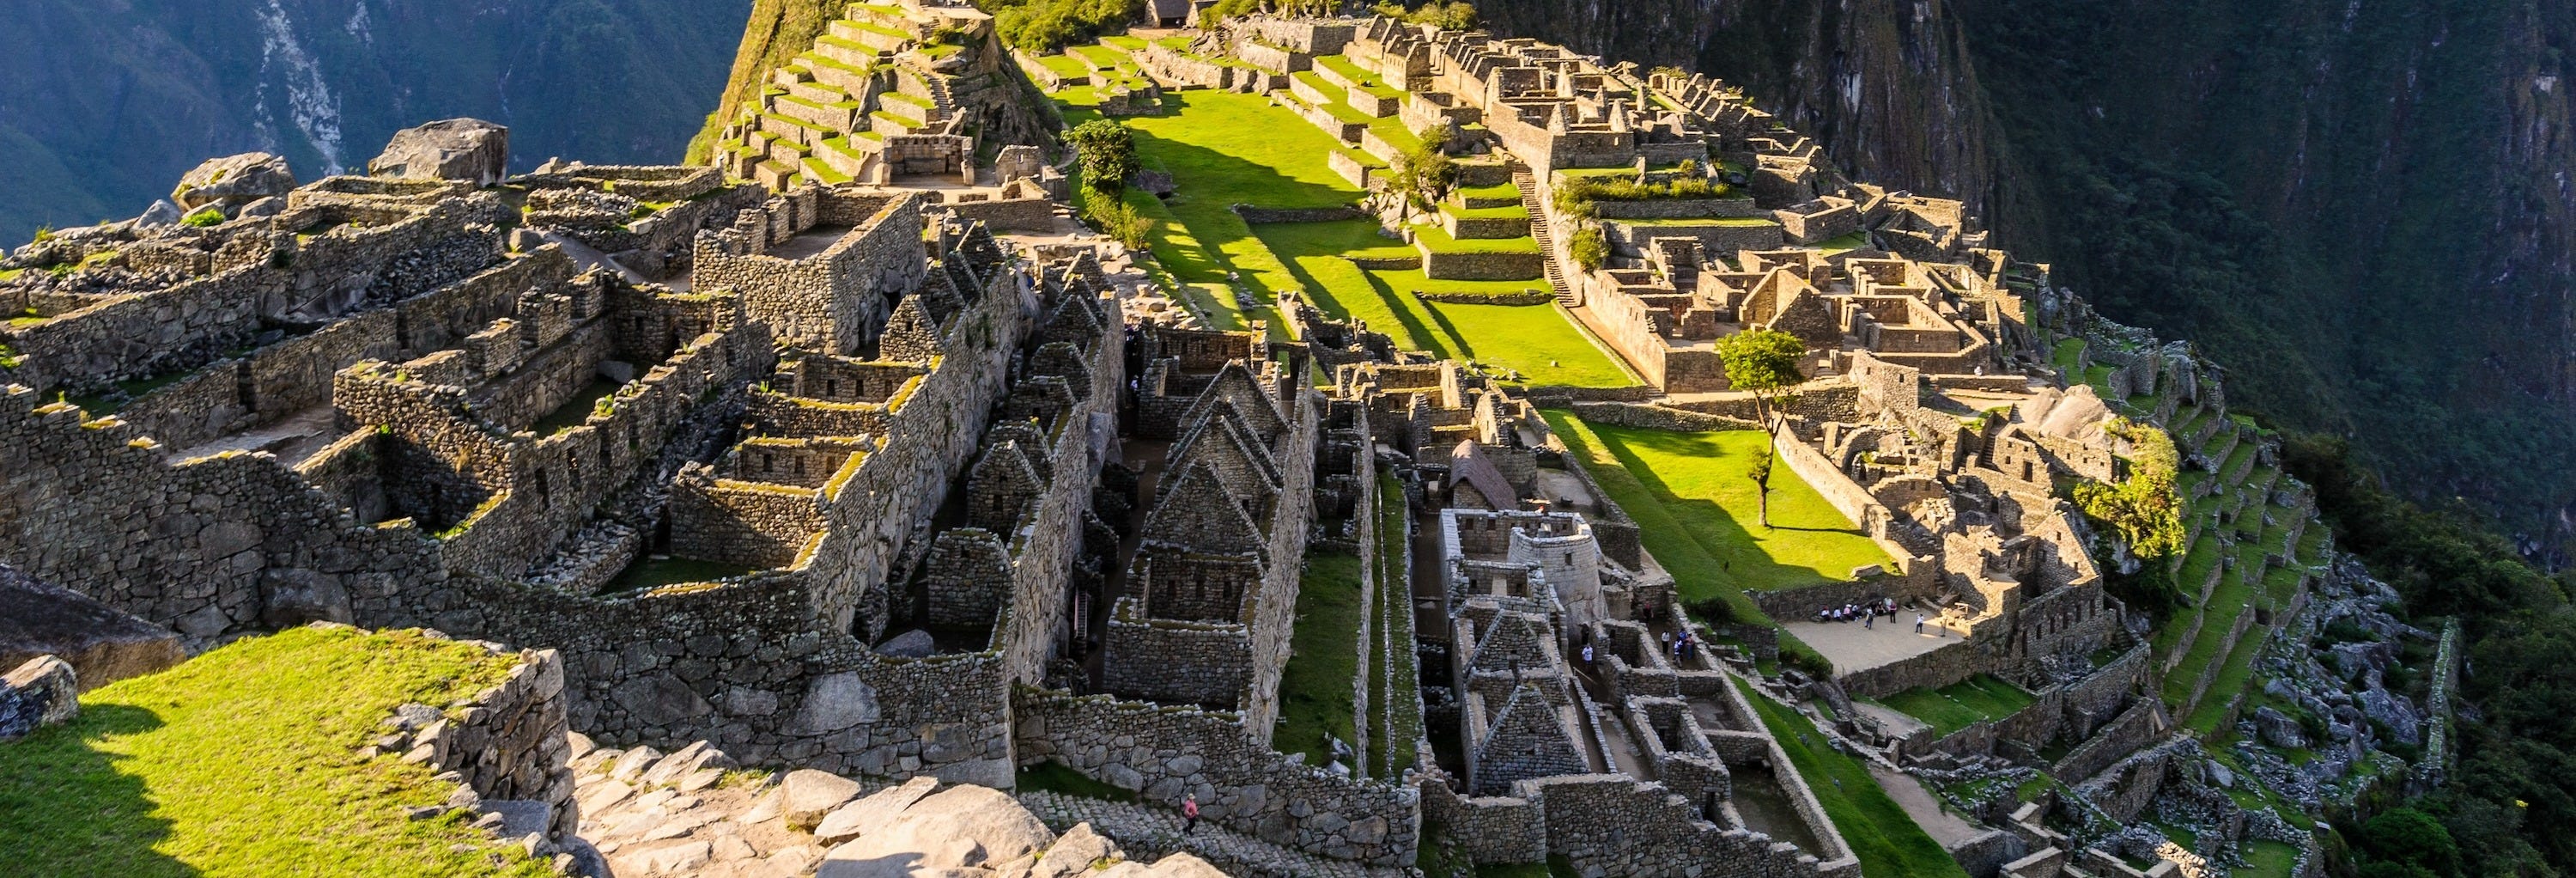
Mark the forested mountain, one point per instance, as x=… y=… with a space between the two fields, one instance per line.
x=104 y=103
x=2360 y=206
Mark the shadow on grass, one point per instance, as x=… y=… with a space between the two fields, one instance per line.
x=65 y=809
x=1731 y=541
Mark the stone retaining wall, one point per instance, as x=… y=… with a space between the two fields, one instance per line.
x=1167 y=753
x=1483 y=266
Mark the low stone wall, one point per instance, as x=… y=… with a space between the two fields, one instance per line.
x=1520 y=299
x=1609 y=824
x=508 y=741
x=1940 y=667
x=2141 y=724
x=1257 y=215
x=1629 y=238
x=1675 y=208
x=1658 y=417
x=1175 y=661
x=1487 y=829
x=1350 y=168
x=1167 y=753
x=1483 y=266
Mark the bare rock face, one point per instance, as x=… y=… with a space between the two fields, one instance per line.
x=449 y=149
x=41 y=692
x=103 y=645
x=234 y=181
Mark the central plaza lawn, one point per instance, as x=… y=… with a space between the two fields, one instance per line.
x=243 y=762
x=1224 y=148
x=1696 y=508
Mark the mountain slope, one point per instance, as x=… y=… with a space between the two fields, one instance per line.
x=2360 y=207
x=104 y=104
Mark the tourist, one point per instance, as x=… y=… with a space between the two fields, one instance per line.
x=1189 y=813
x=1918 y=623
x=1587 y=655
x=1871 y=622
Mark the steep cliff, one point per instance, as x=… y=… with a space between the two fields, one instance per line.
x=104 y=104
x=2360 y=205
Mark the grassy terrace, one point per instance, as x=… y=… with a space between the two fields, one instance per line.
x=1396 y=721
x=1950 y=708
x=1223 y=148
x=1887 y=841
x=1315 y=688
x=1697 y=483
x=2226 y=604
x=1438 y=241
x=243 y=762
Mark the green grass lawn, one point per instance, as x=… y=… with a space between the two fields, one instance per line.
x=243 y=762
x=648 y=573
x=1223 y=148
x=1397 y=724
x=1537 y=340
x=1699 y=481
x=1887 y=841
x=1315 y=688
x=1950 y=708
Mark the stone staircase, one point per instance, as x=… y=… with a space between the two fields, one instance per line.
x=1528 y=184
x=940 y=93
x=1149 y=834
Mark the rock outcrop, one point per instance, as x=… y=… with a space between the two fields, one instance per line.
x=448 y=149
x=103 y=645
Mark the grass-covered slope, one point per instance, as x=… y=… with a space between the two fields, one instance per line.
x=242 y=762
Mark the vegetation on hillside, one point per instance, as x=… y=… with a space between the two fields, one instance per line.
x=1043 y=26
x=2143 y=508
x=2324 y=202
x=1453 y=15
x=2514 y=791
x=244 y=762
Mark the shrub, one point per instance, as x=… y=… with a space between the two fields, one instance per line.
x=1117 y=219
x=1591 y=250
x=1424 y=171
x=2143 y=509
x=203 y=218
x=1577 y=191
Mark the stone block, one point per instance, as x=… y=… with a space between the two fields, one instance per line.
x=43 y=691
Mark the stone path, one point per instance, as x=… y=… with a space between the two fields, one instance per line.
x=1148 y=833
x=1944 y=827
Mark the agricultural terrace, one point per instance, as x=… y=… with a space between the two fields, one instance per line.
x=1225 y=148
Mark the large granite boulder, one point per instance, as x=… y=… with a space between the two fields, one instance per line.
x=234 y=181
x=103 y=645
x=964 y=827
x=41 y=692
x=449 y=149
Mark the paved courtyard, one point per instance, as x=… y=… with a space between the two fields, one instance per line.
x=1854 y=648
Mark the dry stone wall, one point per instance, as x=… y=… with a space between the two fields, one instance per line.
x=1168 y=753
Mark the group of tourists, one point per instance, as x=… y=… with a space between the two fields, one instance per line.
x=1866 y=613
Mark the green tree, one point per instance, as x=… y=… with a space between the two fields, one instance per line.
x=2414 y=838
x=1108 y=152
x=1424 y=172
x=1764 y=362
x=2144 y=509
